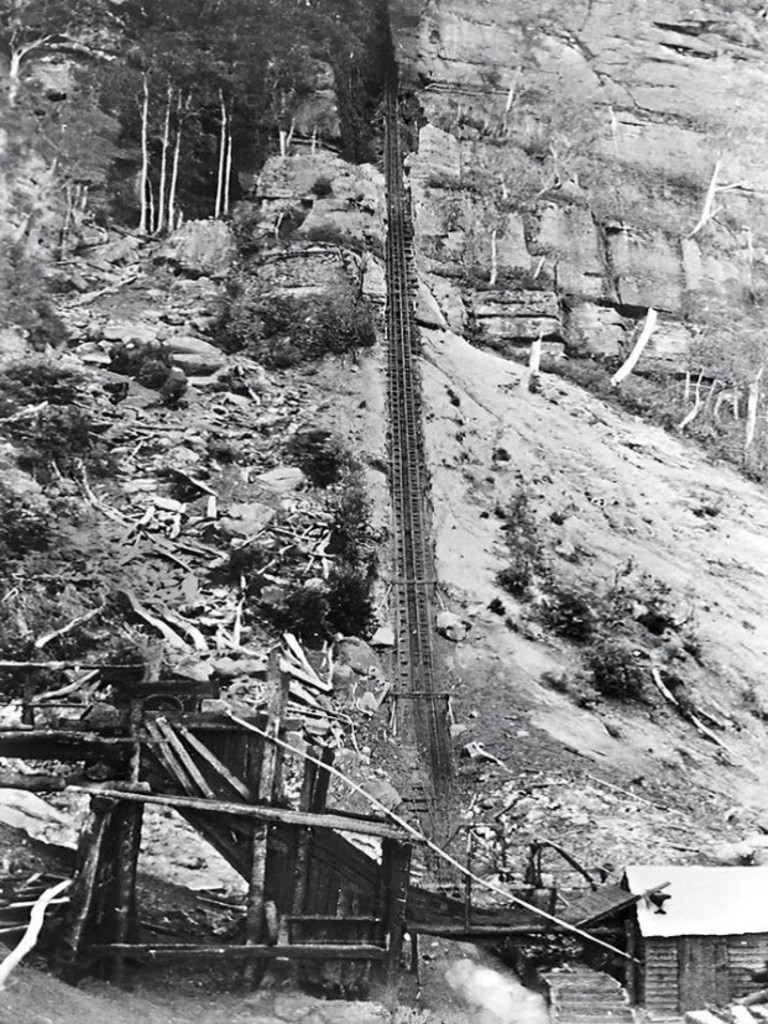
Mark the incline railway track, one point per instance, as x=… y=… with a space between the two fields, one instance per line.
x=421 y=717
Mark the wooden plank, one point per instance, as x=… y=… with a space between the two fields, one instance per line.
x=166 y=757
x=292 y=952
x=285 y=816
x=238 y=785
x=182 y=755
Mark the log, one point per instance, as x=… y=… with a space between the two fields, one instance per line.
x=283 y=816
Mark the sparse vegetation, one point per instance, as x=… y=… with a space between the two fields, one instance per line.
x=526 y=549
x=25 y=523
x=615 y=626
x=40 y=415
x=148 y=363
x=25 y=300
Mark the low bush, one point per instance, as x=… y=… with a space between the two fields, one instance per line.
x=322 y=187
x=40 y=414
x=148 y=363
x=25 y=301
x=614 y=669
x=571 y=612
x=321 y=454
x=25 y=524
x=32 y=381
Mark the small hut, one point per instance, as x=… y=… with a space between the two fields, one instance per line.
x=701 y=944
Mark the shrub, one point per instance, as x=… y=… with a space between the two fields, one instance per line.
x=322 y=187
x=25 y=524
x=572 y=612
x=527 y=562
x=320 y=454
x=614 y=669
x=31 y=381
x=350 y=608
x=282 y=331
x=25 y=301
x=147 y=363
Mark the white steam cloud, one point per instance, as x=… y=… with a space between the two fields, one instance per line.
x=493 y=997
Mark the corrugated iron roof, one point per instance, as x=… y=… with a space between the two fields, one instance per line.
x=703 y=900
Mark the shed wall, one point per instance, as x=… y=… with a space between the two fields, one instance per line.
x=663 y=987
x=745 y=953
x=660 y=986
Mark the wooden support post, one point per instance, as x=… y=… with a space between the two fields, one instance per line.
x=415 y=955
x=83 y=895
x=395 y=867
x=127 y=819
x=630 y=981
x=254 y=915
x=468 y=879
x=322 y=782
x=28 y=688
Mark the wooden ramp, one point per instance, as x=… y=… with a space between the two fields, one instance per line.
x=584 y=996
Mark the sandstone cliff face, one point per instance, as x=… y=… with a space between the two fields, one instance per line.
x=579 y=141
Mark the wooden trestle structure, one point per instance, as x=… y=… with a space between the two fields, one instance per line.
x=312 y=894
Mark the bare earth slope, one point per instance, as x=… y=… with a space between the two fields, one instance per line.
x=607 y=488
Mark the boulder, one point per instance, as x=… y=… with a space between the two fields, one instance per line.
x=246 y=518
x=451 y=626
x=12 y=345
x=193 y=355
x=197 y=365
x=119 y=250
x=200 y=248
x=358 y=655
x=282 y=479
x=92 y=353
x=127 y=332
x=383 y=637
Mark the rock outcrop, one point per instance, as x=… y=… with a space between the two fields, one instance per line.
x=565 y=152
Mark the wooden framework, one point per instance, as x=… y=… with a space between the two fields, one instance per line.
x=313 y=897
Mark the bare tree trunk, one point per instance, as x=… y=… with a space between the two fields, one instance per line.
x=494 y=260
x=174 y=170
x=228 y=168
x=150 y=205
x=694 y=412
x=161 y=208
x=144 y=173
x=222 y=157
x=645 y=336
x=534 y=363
x=753 y=400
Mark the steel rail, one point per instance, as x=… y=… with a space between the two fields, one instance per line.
x=423 y=723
